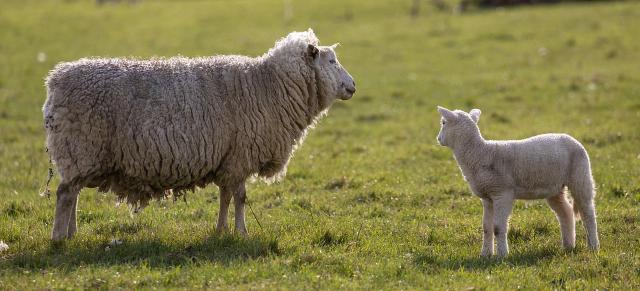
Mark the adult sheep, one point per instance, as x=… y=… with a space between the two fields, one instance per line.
x=144 y=128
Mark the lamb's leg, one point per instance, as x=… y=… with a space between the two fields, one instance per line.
x=239 y=199
x=583 y=191
x=73 y=224
x=588 y=214
x=564 y=213
x=487 y=228
x=502 y=205
x=225 y=199
x=66 y=195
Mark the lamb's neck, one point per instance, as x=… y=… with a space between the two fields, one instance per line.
x=470 y=152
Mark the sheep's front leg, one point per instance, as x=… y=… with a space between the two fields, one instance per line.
x=564 y=213
x=502 y=205
x=487 y=228
x=225 y=198
x=239 y=199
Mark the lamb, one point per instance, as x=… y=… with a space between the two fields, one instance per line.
x=147 y=129
x=534 y=168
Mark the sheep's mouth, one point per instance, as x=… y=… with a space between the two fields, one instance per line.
x=348 y=93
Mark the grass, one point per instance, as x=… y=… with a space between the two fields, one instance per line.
x=370 y=201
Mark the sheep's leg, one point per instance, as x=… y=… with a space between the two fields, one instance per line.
x=239 y=199
x=73 y=224
x=225 y=199
x=66 y=195
x=564 y=213
x=502 y=206
x=487 y=228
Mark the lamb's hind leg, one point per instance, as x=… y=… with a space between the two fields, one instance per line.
x=560 y=205
x=588 y=214
x=66 y=194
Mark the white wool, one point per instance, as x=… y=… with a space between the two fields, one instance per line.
x=293 y=45
x=540 y=167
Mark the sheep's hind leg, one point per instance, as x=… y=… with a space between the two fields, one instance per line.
x=487 y=228
x=560 y=205
x=66 y=196
x=239 y=200
x=73 y=224
x=225 y=199
x=502 y=206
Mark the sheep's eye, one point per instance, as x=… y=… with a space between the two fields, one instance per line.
x=332 y=61
x=443 y=122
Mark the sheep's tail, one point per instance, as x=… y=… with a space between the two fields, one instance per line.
x=582 y=186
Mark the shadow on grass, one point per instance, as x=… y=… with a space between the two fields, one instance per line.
x=153 y=253
x=432 y=262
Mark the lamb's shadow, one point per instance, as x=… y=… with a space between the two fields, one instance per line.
x=153 y=253
x=526 y=258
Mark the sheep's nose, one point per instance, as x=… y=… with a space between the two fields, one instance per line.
x=351 y=90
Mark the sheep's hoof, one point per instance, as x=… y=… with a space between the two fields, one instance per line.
x=242 y=232
x=221 y=231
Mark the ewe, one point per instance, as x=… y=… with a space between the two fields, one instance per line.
x=146 y=128
x=534 y=168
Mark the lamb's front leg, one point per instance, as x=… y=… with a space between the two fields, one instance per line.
x=487 y=228
x=502 y=205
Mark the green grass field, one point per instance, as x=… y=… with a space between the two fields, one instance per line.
x=370 y=200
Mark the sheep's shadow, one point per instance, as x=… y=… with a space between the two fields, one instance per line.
x=527 y=258
x=153 y=253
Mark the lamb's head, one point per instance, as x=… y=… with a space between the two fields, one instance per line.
x=458 y=127
x=333 y=80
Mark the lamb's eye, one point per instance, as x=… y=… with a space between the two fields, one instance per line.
x=443 y=122
x=332 y=61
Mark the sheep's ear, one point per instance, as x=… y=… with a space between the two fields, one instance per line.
x=312 y=50
x=475 y=115
x=446 y=113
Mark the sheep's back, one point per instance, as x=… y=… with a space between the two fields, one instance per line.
x=156 y=124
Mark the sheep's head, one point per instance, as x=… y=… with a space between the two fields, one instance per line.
x=333 y=80
x=458 y=126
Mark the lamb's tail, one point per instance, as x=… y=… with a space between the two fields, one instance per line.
x=583 y=191
x=582 y=186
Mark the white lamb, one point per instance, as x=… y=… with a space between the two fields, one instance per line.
x=534 y=168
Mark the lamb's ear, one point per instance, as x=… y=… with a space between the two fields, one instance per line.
x=446 y=113
x=312 y=50
x=475 y=115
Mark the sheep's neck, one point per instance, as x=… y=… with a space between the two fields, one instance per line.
x=470 y=152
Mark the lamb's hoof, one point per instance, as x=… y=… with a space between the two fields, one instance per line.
x=594 y=248
x=242 y=233
x=486 y=255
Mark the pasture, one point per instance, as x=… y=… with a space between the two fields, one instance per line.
x=370 y=200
